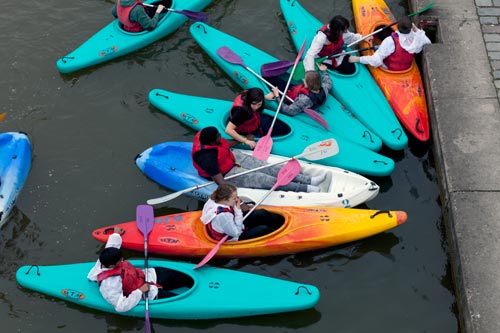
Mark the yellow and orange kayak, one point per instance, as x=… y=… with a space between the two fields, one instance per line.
x=303 y=229
x=403 y=89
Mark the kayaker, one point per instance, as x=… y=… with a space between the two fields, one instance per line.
x=222 y=215
x=123 y=286
x=135 y=16
x=308 y=95
x=329 y=40
x=396 y=52
x=213 y=159
x=246 y=120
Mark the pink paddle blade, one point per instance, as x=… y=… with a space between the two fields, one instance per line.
x=316 y=117
x=288 y=172
x=263 y=147
x=211 y=254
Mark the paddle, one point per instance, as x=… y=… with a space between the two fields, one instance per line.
x=3 y=115
x=230 y=56
x=313 y=152
x=287 y=173
x=192 y=15
x=263 y=148
x=145 y=221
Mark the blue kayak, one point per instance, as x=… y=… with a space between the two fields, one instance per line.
x=112 y=41
x=358 y=92
x=200 y=112
x=340 y=121
x=15 y=163
x=209 y=293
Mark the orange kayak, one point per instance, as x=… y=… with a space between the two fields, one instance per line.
x=303 y=229
x=403 y=89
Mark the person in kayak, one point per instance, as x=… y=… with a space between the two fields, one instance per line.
x=123 y=286
x=329 y=40
x=246 y=120
x=397 y=51
x=213 y=159
x=222 y=215
x=135 y=16
x=310 y=94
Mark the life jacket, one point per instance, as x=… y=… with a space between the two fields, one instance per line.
x=400 y=59
x=124 y=17
x=316 y=98
x=132 y=278
x=225 y=157
x=249 y=125
x=211 y=231
x=329 y=49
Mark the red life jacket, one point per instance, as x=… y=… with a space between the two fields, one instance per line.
x=211 y=231
x=400 y=59
x=225 y=157
x=316 y=98
x=132 y=278
x=249 y=125
x=329 y=49
x=124 y=17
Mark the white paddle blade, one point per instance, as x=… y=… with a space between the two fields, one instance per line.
x=321 y=150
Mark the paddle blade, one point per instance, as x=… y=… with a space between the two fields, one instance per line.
x=263 y=147
x=320 y=150
x=2 y=116
x=145 y=219
x=228 y=55
x=317 y=117
x=211 y=254
x=287 y=173
x=422 y=10
x=275 y=68
x=192 y=15
x=148 y=324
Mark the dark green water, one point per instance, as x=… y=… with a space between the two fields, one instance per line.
x=86 y=128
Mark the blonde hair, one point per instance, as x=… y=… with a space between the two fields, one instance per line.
x=313 y=80
x=223 y=192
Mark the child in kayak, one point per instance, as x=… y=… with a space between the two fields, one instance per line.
x=222 y=216
x=136 y=17
x=397 y=51
x=213 y=159
x=123 y=286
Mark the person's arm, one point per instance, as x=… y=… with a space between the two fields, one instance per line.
x=377 y=59
x=231 y=131
x=112 y=292
x=113 y=11
x=139 y=15
x=225 y=223
x=301 y=103
x=326 y=80
x=316 y=45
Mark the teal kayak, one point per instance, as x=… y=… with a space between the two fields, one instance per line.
x=340 y=121
x=358 y=92
x=15 y=163
x=214 y=292
x=200 y=112
x=112 y=41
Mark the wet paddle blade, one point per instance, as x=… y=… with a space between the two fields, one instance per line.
x=320 y=150
x=263 y=147
x=145 y=219
x=316 y=117
x=275 y=68
x=228 y=55
x=287 y=173
x=192 y=15
x=211 y=254
x=2 y=116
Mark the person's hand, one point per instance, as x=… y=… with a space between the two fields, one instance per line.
x=276 y=92
x=160 y=9
x=251 y=144
x=118 y=230
x=322 y=67
x=144 y=287
x=414 y=27
x=238 y=202
x=353 y=59
x=369 y=39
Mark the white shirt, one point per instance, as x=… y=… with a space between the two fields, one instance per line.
x=225 y=222
x=319 y=41
x=413 y=42
x=111 y=288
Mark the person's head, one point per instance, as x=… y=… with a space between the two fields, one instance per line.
x=312 y=80
x=209 y=136
x=404 y=25
x=225 y=192
x=110 y=256
x=338 y=25
x=254 y=99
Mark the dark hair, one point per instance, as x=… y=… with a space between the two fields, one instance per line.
x=313 y=80
x=253 y=95
x=338 y=24
x=404 y=25
x=208 y=135
x=110 y=256
x=223 y=192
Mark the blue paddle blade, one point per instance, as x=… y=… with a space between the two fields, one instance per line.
x=145 y=219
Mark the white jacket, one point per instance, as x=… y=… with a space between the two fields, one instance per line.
x=225 y=222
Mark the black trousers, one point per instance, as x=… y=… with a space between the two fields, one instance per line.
x=170 y=279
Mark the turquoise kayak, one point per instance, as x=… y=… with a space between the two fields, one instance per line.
x=15 y=163
x=358 y=92
x=112 y=41
x=215 y=292
x=340 y=121
x=200 y=112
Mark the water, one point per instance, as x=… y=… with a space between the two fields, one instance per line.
x=86 y=128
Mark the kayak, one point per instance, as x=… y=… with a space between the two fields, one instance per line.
x=403 y=89
x=303 y=229
x=214 y=292
x=358 y=92
x=340 y=121
x=15 y=163
x=112 y=41
x=170 y=165
x=200 y=112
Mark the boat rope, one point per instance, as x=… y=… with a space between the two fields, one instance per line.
x=400 y=132
x=369 y=134
x=373 y=186
x=416 y=126
x=63 y=59
x=164 y=96
x=381 y=212
x=298 y=290
x=199 y=25
x=375 y=161
x=37 y=270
